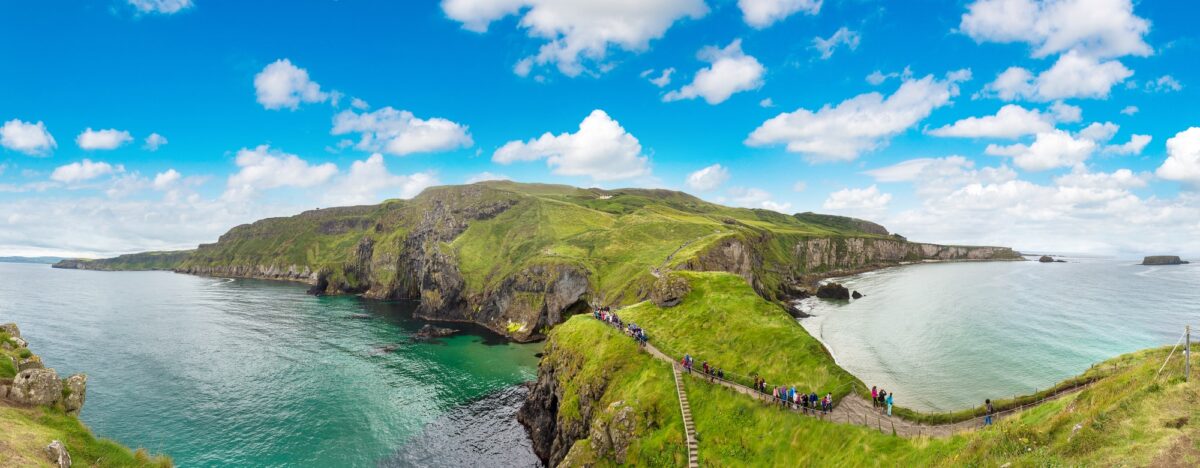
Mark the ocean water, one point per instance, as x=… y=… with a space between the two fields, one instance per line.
x=220 y=372
x=946 y=336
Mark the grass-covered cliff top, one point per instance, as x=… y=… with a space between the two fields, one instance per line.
x=131 y=262
x=26 y=431
x=1126 y=418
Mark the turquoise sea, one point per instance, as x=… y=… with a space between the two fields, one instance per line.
x=222 y=372
x=945 y=336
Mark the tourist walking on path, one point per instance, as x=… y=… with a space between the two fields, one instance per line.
x=987 y=419
x=874 y=396
x=882 y=397
x=889 y=404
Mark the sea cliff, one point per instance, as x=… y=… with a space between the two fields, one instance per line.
x=520 y=258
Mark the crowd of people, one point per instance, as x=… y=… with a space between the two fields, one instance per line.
x=808 y=402
x=605 y=314
x=881 y=399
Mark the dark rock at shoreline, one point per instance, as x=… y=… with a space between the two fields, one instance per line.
x=795 y=291
x=1163 y=260
x=856 y=295
x=833 y=291
x=1046 y=259
x=385 y=349
x=429 y=331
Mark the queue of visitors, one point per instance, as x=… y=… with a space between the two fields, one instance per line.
x=881 y=399
x=606 y=315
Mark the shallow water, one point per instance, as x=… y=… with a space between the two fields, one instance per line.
x=256 y=373
x=946 y=336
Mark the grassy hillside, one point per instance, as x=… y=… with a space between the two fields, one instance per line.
x=1126 y=418
x=131 y=262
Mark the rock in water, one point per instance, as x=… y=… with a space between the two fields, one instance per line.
x=856 y=295
x=76 y=393
x=669 y=290
x=58 y=454
x=429 y=331
x=1046 y=259
x=36 y=387
x=1162 y=260
x=833 y=291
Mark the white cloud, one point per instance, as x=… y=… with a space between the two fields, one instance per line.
x=763 y=13
x=708 y=178
x=369 y=181
x=755 y=198
x=662 y=79
x=1011 y=121
x=731 y=71
x=601 y=149
x=578 y=31
x=842 y=36
x=800 y=186
x=1100 y=132
x=1164 y=84
x=399 y=132
x=107 y=139
x=859 y=124
x=1096 y=28
x=1183 y=157
x=166 y=7
x=1073 y=76
x=1129 y=110
x=29 y=138
x=1049 y=150
x=1134 y=146
x=877 y=78
x=283 y=85
x=83 y=170
x=486 y=176
x=359 y=104
x=164 y=180
x=766 y=103
x=155 y=141
x=264 y=168
x=863 y=202
x=1066 y=113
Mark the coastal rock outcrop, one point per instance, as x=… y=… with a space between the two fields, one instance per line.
x=833 y=291
x=31 y=362
x=429 y=332
x=613 y=432
x=552 y=432
x=11 y=329
x=1163 y=260
x=74 y=393
x=1046 y=259
x=36 y=387
x=856 y=295
x=58 y=455
x=669 y=290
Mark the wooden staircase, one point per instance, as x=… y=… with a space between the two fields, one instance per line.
x=689 y=428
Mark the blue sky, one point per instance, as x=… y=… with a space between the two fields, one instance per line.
x=855 y=107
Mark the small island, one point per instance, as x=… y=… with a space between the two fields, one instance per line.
x=1163 y=260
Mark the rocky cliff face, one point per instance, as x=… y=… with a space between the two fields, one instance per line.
x=832 y=255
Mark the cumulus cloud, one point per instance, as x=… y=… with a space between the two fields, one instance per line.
x=766 y=103
x=1049 y=150
x=1164 y=84
x=600 y=149
x=369 y=181
x=155 y=141
x=165 y=7
x=107 y=139
x=400 y=133
x=708 y=178
x=859 y=124
x=842 y=36
x=29 y=138
x=265 y=168
x=580 y=32
x=858 y=202
x=763 y=13
x=1100 y=132
x=283 y=85
x=731 y=71
x=1096 y=28
x=1073 y=76
x=165 y=180
x=1129 y=110
x=935 y=175
x=83 y=170
x=1066 y=113
x=1135 y=145
x=755 y=198
x=1011 y=121
x=1183 y=158
x=486 y=176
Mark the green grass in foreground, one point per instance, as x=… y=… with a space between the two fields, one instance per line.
x=726 y=323
x=25 y=432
